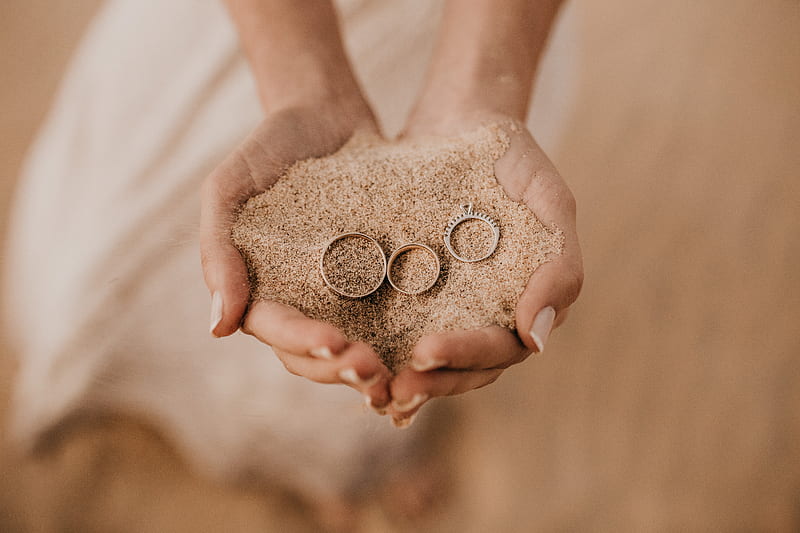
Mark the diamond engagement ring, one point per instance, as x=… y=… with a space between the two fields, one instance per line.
x=469 y=214
x=407 y=248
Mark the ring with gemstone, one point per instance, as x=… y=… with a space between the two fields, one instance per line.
x=358 y=277
x=468 y=214
x=406 y=248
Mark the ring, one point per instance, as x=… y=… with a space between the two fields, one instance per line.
x=369 y=289
x=403 y=249
x=469 y=214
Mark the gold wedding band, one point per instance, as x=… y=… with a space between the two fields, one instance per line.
x=405 y=248
x=343 y=292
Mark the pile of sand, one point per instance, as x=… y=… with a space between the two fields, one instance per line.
x=395 y=192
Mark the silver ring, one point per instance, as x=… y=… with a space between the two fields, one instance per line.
x=405 y=248
x=469 y=214
x=341 y=292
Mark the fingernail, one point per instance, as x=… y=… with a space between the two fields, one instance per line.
x=403 y=423
x=542 y=325
x=216 y=311
x=413 y=403
x=351 y=376
x=368 y=402
x=424 y=366
x=323 y=352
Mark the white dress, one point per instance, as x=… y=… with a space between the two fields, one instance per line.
x=104 y=298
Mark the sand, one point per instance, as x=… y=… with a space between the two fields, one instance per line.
x=396 y=192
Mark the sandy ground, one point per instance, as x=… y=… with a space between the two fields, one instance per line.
x=671 y=398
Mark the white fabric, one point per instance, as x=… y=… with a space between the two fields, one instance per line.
x=104 y=298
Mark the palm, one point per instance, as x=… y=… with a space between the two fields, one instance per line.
x=465 y=360
x=311 y=348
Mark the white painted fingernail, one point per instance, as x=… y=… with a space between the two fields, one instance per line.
x=424 y=366
x=351 y=376
x=542 y=325
x=403 y=423
x=368 y=402
x=413 y=403
x=323 y=352
x=216 y=311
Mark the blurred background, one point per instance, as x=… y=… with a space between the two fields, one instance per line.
x=671 y=398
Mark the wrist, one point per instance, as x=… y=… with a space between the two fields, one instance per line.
x=458 y=102
x=330 y=118
x=485 y=59
x=469 y=98
x=295 y=52
x=306 y=79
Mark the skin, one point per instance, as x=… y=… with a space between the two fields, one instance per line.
x=481 y=71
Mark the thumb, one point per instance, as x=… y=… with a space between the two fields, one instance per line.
x=531 y=178
x=553 y=287
x=286 y=137
x=224 y=269
x=252 y=168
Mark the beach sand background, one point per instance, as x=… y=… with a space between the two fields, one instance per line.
x=671 y=398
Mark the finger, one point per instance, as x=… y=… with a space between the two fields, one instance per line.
x=410 y=390
x=224 y=269
x=287 y=329
x=252 y=168
x=358 y=366
x=530 y=177
x=479 y=349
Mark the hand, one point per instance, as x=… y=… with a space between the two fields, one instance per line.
x=458 y=361
x=310 y=348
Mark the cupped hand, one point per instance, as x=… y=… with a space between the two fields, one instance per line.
x=455 y=362
x=310 y=348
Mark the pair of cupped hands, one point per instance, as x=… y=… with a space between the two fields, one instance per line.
x=441 y=364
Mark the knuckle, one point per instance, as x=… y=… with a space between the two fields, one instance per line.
x=250 y=167
x=568 y=283
x=233 y=180
x=569 y=294
x=562 y=199
x=574 y=284
x=214 y=185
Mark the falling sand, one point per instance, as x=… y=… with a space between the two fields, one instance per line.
x=397 y=193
